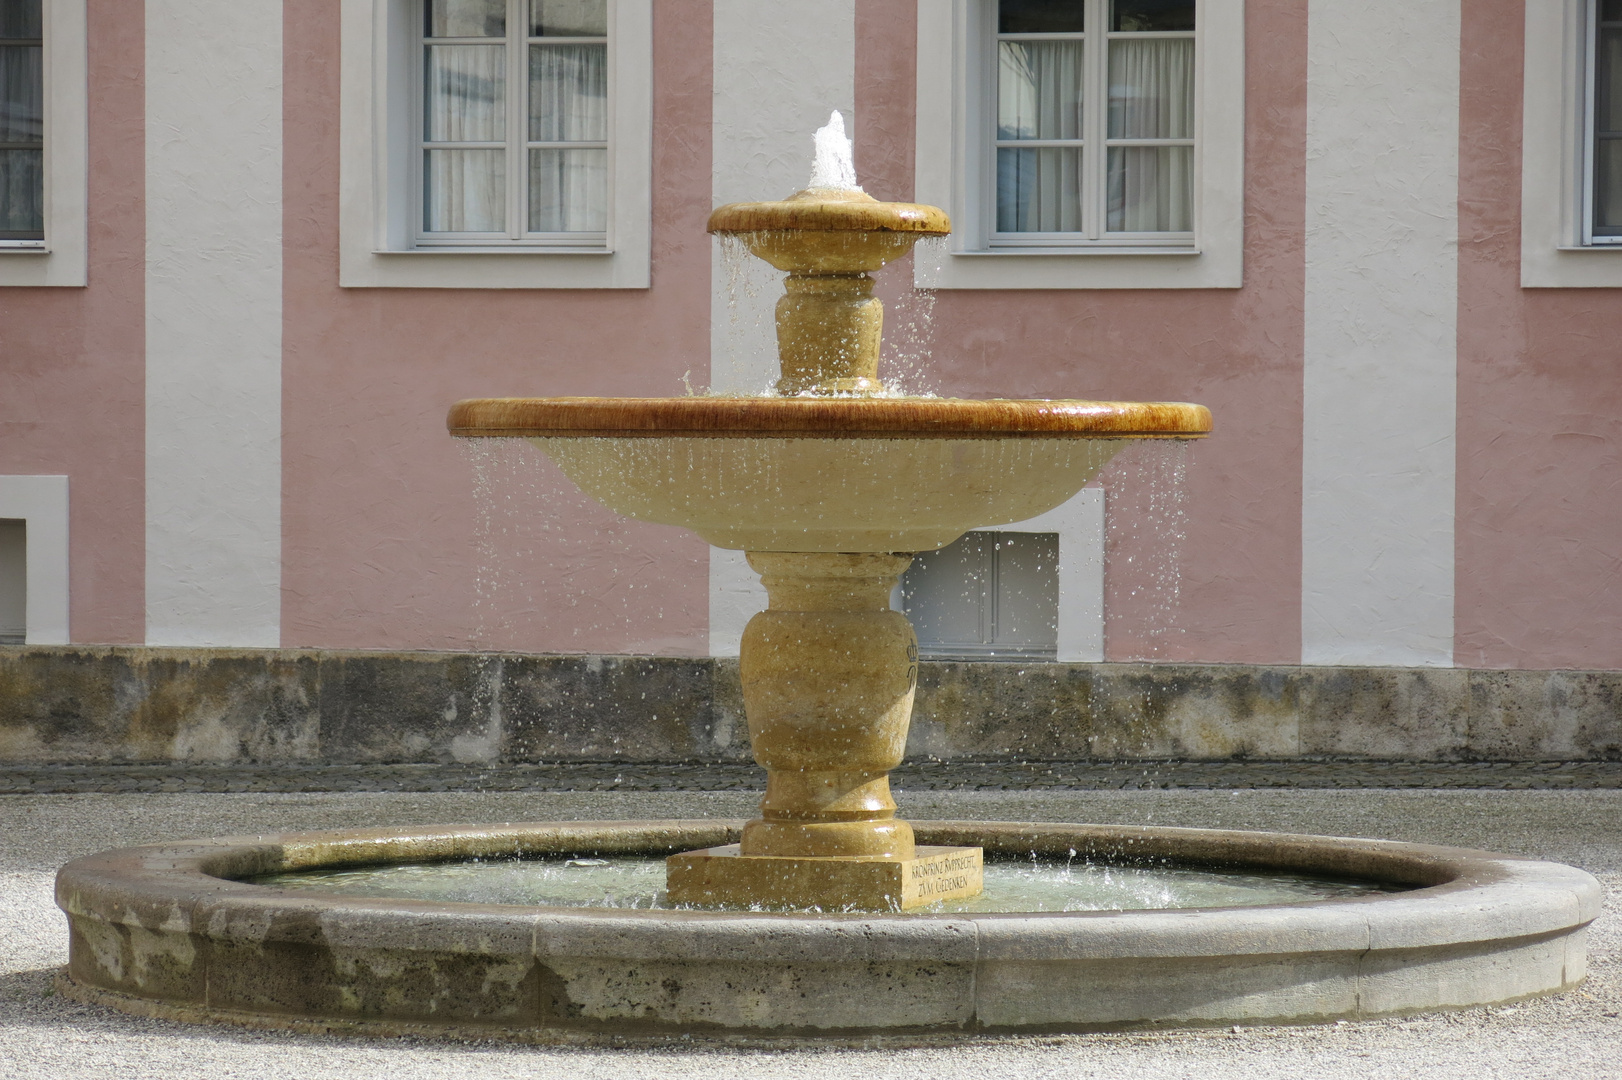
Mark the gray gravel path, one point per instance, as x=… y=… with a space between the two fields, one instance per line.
x=1575 y=1036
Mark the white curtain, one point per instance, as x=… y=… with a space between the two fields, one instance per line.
x=1151 y=92
x=1039 y=96
x=568 y=190
x=568 y=93
x=568 y=103
x=465 y=190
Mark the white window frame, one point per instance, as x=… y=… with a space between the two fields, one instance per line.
x=955 y=168
x=62 y=257
x=1556 y=248
x=42 y=502
x=380 y=239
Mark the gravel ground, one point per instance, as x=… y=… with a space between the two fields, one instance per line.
x=1578 y=1035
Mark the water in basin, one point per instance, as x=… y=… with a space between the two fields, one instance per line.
x=1011 y=886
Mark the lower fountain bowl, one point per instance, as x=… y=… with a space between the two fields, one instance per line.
x=173 y=930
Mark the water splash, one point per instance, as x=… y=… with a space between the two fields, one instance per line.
x=833 y=168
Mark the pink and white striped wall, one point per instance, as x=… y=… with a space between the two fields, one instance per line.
x=1416 y=459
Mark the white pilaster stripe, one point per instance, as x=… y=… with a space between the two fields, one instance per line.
x=1381 y=332
x=780 y=68
x=213 y=322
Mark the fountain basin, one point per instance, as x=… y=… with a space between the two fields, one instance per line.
x=170 y=930
x=828 y=475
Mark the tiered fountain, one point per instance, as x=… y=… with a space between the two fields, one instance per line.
x=825 y=915
x=829 y=486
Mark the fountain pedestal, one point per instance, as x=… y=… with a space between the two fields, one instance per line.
x=828 y=674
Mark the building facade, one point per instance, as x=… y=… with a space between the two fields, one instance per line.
x=250 y=253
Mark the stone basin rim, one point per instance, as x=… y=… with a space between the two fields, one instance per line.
x=813 y=418
x=157 y=931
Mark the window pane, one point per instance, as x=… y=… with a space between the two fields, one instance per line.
x=1039 y=89
x=466 y=92
x=464 y=191
x=1608 y=132
x=568 y=190
x=1038 y=190
x=21 y=94
x=1608 y=187
x=22 y=194
x=1610 y=11
x=20 y=19
x=568 y=18
x=1040 y=16
x=1608 y=81
x=568 y=93
x=1151 y=189
x=1142 y=15
x=467 y=18
x=1151 y=88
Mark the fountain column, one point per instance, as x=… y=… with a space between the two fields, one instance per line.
x=828 y=676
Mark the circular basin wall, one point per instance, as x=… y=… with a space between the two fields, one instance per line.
x=171 y=930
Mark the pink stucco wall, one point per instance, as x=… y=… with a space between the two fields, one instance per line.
x=1539 y=526
x=378 y=508
x=72 y=359
x=1237 y=351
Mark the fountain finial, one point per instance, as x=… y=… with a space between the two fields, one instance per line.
x=833 y=168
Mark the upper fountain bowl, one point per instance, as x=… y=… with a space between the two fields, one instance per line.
x=829 y=231
x=814 y=474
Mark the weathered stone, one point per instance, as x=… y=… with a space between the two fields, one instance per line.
x=219 y=707
x=1391 y=713
x=166 y=930
x=639 y=708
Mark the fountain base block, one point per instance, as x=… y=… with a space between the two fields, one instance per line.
x=725 y=876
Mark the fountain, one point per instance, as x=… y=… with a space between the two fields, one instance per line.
x=829 y=486
x=826 y=915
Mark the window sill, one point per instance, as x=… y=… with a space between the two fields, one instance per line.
x=448 y=250
x=1082 y=268
x=1617 y=247
x=1083 y=251
x=19 y=249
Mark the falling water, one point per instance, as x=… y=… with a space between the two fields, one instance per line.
x=558 y=572
x=1146 y=515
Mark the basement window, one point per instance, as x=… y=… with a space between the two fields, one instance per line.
x=13 y=581
x=989 y=596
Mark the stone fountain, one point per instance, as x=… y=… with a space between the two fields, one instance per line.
x=830 y=486
x=827 y=916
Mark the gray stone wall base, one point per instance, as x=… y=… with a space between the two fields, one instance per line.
x=116 y=705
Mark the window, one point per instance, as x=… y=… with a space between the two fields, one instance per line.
x=44 y=146
x=22 y=123
x=496 y=143
x=1571 y=145
x=528 y=165
x=1094 y=129
x=1603 y=176
x=1083 y=144
x=988 y=596
x=34 y=560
